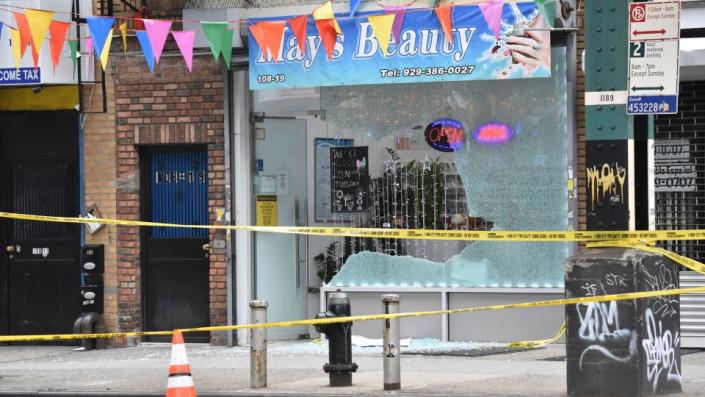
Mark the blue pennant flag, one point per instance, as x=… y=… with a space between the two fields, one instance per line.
x=99 y=27
x=146 y=48
x=354 y=4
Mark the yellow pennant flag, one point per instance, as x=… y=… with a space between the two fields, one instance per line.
x=106 y=50
x=382 y=29
x=123 y=31
x=16 y=46
x=325 y=11
x=38 y=21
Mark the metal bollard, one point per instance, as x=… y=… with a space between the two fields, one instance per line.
x=258 y=346
x=391 y=352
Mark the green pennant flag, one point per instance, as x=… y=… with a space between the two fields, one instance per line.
x=215 y=34
x=547 y=8
x=227 y=49
x=73 y=44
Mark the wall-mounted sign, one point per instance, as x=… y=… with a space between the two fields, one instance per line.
x=421 y=54
x=674 y=170
x=267 y=213
x=350 y=180
x=445 y=135
x=9 y=76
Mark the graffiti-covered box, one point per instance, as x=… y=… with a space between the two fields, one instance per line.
x=622 y=347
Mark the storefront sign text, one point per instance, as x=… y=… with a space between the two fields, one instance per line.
x=20 y=76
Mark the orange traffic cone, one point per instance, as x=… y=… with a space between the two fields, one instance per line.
x=180 y=381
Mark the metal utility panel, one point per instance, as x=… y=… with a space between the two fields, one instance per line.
x=692 y=311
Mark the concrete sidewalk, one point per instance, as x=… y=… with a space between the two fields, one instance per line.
x=295 y=368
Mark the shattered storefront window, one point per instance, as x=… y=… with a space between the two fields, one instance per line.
x=500 y=163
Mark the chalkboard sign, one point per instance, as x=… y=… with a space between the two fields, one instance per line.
x=350 y=179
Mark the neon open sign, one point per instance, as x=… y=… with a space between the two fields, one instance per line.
x=445 y=135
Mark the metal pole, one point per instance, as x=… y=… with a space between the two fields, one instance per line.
x=392 y=355
x=258 y=346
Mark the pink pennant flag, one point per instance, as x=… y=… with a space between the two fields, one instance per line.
x=185 y=42
x=398 y=20
x=157 y=32
x=89 y=45
x=492 y=11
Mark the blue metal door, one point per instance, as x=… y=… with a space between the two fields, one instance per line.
x=177 y=285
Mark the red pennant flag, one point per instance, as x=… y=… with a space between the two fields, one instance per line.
x=268 y=35
x=298 y=26
x=25 y=35
x=57 y=33
x=326 y=29
x=444 y=14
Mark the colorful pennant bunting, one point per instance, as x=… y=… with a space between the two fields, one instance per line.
x=89 y=46
x=215 y=34
x=326 y=29
x=106 y=50
x=268 y=35
x=298 y=27
x=227 y=49
x=354 y=5
x=38 y=22
x=23 y=30
x=73 y=45
x=16 y=46
x=382 y=29
x=184 y=40
x=157 y=31
x=492 y=12
x=57 y=33
x=399 y=12
x=146 y=48
x=123 y=32
x=100 y=28
x=445 y=17
x=1 y=25
x=325 y=11
x=547 y=8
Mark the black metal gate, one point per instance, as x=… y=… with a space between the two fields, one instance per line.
x=39 y=264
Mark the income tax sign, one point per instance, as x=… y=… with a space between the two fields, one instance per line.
x=421 y=54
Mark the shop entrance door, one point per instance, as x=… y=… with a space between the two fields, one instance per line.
x=176 y=291
x=280 y=259
x=39 y=262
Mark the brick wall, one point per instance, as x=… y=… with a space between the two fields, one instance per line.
x=99 y=183
x=171 y=107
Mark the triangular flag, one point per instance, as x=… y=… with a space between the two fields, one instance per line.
x=444 y=14
x=227 y=49
x=326 y=29
x=146 y=48
x=89 y=45
x=268 y=35
x=398 y=20
x=492 y=11
x=16 y=46
x=157 y=31
x=184 y=40
x=23 y=30
x=325 y=11
x=215 y=33
x=547 y=9
x=382 y=29
x=298 y=27
x=123 y=32
x=1 y=25
x=106 y=50
x=354 y=4
x=73 y=44
x=38 y=22
x=432 y=4
x=100 y=28
x=57 y=32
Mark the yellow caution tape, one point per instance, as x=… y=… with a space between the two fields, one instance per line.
x=334 y=320
x=534 y=344
x=417 y=234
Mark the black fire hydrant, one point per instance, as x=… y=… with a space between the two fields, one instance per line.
x=340 y=366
